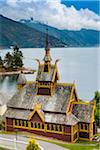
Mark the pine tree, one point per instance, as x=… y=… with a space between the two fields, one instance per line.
x=1 y=62
x=17 y=58
x=97 y=112
x=8 y=61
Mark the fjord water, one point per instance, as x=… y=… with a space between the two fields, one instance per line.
x=78 y=65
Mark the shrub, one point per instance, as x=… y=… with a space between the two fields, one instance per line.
x=32 y=145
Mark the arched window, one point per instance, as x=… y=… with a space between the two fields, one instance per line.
x=31 y=124
x=42 y=126
x=26 y=123
x=16 y=122
x=52 y=127
x=35 y=125
x=82 y=126
x=46 y=68
x=86 y=127
x=47 y=126
x=39 y=125
x=60 y=128
x=56 y=128
x=22 y=123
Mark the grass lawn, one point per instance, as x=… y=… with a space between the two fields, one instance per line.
x=3 y=148
x=78 y=147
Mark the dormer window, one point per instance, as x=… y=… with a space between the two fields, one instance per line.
x=46 y=68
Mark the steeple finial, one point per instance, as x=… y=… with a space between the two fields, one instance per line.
x=47 y=57
x=47 y=42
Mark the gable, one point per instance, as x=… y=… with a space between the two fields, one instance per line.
x=36 y=114
x=73 y=97
x=55 y=75
x=36 y=118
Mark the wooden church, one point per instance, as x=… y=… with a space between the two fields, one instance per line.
x=49 y=108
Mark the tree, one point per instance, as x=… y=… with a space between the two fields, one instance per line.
x=1 y=62
x=8 y=61
x=1 y=124
x=97 y=97
x=97 y=112
x=32 y=145
x=17 y=58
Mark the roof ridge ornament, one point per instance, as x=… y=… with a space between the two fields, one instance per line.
x=37 y=106
x=57 y=60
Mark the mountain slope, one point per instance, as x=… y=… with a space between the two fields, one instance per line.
x=82 y=38
x=12 y=32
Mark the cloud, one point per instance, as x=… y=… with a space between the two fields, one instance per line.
x=52 y=12
x=12 y=3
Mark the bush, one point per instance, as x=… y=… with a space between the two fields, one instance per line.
x=97 y=112
x=32 y=145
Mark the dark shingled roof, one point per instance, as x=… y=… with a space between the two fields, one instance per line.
x=17 y=113
x=83 y=112
x=64 y=119
x=28 y=98
x=43 y=76
x=69 y=119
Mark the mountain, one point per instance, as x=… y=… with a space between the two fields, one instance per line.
x=13 y=32
x=30 y=33
x=82 y=38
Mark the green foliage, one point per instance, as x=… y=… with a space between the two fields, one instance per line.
x=17 y=58
x=32 y=145
x=97 y=97
x=97 y=112
x=14 y=60
x=8 y=61
x=1 y=123
x=1 y=62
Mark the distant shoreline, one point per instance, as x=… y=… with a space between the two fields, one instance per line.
x=50 y=47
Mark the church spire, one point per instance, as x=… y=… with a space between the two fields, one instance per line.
x=46 y=41
x=47 y=57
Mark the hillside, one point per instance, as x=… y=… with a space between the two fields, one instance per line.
x=12 y=32
x=29 y=33
x=82 y=38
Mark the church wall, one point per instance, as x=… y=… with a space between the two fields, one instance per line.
x=85 y=131
x=74 y=133
x=48 y=134
x=66 y=133
x=9 y=121
x=9 y=124
x=67 y=129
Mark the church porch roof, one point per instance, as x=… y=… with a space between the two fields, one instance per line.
x=83 y=111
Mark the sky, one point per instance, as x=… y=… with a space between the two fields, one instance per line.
x=62 y=14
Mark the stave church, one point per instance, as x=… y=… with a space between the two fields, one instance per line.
x=48 y=108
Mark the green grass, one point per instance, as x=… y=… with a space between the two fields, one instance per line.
x=78 y=147
x=3 y=148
